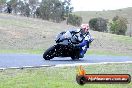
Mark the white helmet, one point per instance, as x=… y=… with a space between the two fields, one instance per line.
x=85 y=27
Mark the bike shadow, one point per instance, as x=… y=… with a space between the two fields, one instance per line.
x=66 y=60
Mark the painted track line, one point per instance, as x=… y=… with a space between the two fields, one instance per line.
x=66 y=65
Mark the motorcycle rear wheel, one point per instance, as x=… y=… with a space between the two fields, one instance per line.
x=74 y=57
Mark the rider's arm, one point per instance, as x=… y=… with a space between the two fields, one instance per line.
x=83 y=43
x=89 y=38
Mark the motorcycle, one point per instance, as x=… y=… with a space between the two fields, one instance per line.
x=64 y=47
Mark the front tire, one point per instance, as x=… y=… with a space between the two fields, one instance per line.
x=49 y=53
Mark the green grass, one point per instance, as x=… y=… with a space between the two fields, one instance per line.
x=63 y=77
x=121 y=38
x=108 y=53
x=38 y=51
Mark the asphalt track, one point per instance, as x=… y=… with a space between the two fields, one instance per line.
x=21 y=60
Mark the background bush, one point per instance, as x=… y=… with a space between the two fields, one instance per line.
x=118 y=25
x=74 y=20
x=98 y=24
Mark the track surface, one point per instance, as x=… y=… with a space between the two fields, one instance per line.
x=20 y=60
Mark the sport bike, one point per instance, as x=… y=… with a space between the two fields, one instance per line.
x=64 y=47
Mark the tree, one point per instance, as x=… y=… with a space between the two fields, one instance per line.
x=20 y=6
x=118 y=25
x=67 y=7
x=74 y=20
x=27 y=10
x=33 y=4
x=54 y=10
x=98 y=24
x=45 y=9
x=2 y=3
x=13 y=5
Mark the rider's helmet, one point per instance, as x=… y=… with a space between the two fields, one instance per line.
x=84 y=28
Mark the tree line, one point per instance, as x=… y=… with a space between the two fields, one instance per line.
x=57 y=11
x=52 y=10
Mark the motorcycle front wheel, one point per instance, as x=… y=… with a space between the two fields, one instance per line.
x=49 y=53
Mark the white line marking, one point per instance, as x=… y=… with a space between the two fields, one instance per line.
x=77 y=64
x=63 y=65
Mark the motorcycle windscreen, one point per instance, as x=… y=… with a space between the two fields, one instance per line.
x=64 y=42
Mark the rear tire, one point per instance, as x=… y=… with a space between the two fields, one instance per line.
x=75 y=54
x=49 y=53
x=75 y=57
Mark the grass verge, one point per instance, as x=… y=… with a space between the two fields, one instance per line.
x=40 y=51
x=108 y=53
x=121 y=38
x=63 y=77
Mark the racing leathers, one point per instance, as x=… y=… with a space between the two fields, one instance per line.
x=83 y=40
x=84 y=45
x=79 y=39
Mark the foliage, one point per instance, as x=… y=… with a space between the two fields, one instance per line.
x=33 y=4
x=74 y=20
x=98 y=24
x=118 y=25
x=23 y=7
x=54 y=10
x=2 y=2
x=49 y=9
x=67 y=7
x=13 y=4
